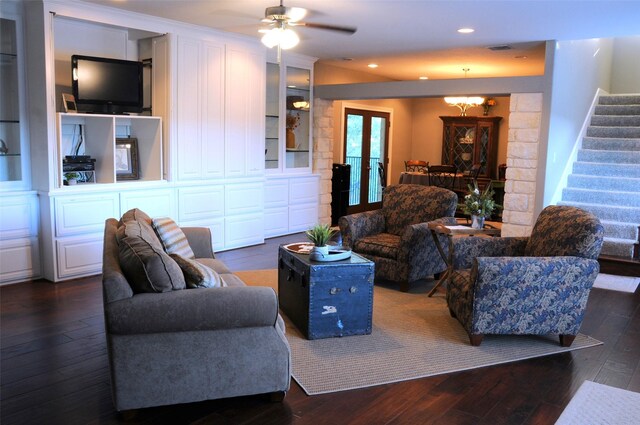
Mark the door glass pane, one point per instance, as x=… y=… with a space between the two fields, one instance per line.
x=10 y=160
x=354 y=155
x=378 y=126
x=297 y=119
x=272 y=117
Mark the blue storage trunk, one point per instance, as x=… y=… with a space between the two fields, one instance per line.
x=326 y=299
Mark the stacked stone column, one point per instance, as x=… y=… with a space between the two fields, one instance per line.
x=522 y=164
x=323 y=154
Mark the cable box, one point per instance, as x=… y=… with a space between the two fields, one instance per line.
x=78 y=159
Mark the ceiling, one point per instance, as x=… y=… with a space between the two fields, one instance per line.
x=413 y=38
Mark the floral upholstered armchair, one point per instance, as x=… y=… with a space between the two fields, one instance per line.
x=396 y=237
x=537 y=285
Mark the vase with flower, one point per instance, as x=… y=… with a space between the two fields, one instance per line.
x=479 y=204
x=487 y=104
x=292 y=122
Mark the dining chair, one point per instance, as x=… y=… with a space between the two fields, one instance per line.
x=442 y=176
x=415 y=165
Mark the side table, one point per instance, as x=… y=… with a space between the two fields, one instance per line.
x=438 y=229
x=326 y=299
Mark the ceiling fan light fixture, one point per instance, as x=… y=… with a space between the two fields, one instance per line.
x=286 y=38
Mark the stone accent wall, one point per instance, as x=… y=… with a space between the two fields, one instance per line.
x=323 y=154
x=522 y=164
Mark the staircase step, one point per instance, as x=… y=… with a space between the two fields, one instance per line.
x=589 y=181
x=609 y=157
x=617 y=247
x=606 y=169
x=609 y=212
x=616 y=120
x=617 y=110
x=614 y=132
x=609 y=144
x=602 y=197
x=619 y=230
x=619 y=99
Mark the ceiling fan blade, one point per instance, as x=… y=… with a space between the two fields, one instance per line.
x=348 y=30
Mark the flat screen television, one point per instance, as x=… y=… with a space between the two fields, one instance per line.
x=106 y=86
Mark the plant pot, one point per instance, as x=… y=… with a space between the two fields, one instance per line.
x=291 y=139
x=477 y=222
x=71 y=182
x=319 y=252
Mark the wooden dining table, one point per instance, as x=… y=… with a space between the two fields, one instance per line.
x=409 y=177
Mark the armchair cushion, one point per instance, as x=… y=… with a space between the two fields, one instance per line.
x=381 y=245
x=401 y=208
x=197 y=275
x=467 y=248
x=172 y=237
x=356 y=226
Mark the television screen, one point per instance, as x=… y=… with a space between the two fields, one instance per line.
x=107 y=86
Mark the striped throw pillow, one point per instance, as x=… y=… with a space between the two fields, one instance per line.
x=172 y=237
x=197 y=275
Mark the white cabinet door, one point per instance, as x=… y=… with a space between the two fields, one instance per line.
x=156 y=203
x=18 y=217
x=304 y=190
x=302 y=217
x=76 y=215
x=276 y=221
x=200 y=127
x=200 y=203
x=244 y=107
x=19 y=259
x=188 y=127
x=243 y=230
x=79 y=256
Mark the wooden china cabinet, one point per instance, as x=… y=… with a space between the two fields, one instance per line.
x=469 y=140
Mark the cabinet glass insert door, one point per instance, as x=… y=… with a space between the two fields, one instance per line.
x=10 y=138
x=272 y=117
x=298 y=106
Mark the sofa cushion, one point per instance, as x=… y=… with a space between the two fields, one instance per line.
x=381 y=245
x=172 y=237
x=135 y=214
x=138 y=228
x=148 y=268
x=197 y=275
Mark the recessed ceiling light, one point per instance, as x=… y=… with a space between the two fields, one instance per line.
x=424 y=78
x=520 y=57
x=466 y=30
x=373 y=65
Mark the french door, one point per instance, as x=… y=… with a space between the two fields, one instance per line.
x=366 y=136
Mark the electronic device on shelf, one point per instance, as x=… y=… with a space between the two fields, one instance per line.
x=105 y=85
x=78 y=163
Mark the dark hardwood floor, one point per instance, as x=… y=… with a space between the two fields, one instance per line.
x=54 y=369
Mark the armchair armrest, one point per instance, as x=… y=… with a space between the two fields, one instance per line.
x=466 y=248
x=193 y=310
x=201 y=241
x=356 y=226
x=418 y=250
x=531 y=294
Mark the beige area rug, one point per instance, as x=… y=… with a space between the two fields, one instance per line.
x=598 y=404
x=413 y=337
x=617 y=283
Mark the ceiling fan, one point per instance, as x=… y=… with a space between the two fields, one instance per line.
x=281 y=18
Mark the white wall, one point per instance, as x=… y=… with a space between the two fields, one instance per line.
x=581 y=67
x=625 y=77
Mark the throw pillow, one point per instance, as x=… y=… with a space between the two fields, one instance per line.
x=197 y=275
x=141 y=229
x=135 y=214
x=172 y=237
x=148 y=268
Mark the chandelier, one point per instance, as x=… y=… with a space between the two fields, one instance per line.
x=464 y=102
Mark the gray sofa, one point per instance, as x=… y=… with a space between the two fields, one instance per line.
x=190 y=345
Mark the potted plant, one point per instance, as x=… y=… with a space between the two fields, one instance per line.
x=479 y=205
x=71 y=178
x=320 y=234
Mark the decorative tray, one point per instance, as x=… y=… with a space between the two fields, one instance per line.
x=299 y=247
x=335 y=255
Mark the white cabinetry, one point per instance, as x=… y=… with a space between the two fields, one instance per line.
x=244 y=111
x=291 y=204
x=19 y=252
x=200 y=94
